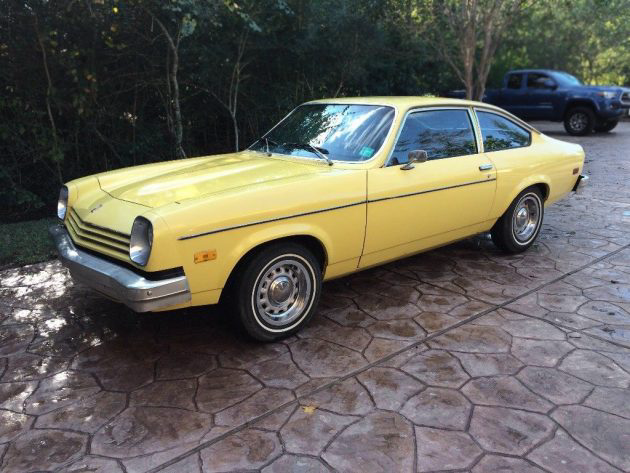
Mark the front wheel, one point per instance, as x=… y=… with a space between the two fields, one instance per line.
x=606 y=126
x=519 y=226
x=277 y=291
x=579 y=121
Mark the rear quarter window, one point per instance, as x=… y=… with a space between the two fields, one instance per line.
x=500 y=133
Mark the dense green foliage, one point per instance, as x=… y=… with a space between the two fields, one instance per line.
x=91 y=85
x=25 y=242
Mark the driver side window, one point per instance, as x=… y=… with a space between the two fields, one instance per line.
x=441 y=133
x=537 y=81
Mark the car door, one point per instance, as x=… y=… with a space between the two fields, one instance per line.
x=411 y=208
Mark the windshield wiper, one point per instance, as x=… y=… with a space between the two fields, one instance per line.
x=267 y=142
x=320 y=152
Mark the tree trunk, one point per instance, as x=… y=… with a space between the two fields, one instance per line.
x=477 y=27
x=178 y=129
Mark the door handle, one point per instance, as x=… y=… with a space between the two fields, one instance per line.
x=485 y=167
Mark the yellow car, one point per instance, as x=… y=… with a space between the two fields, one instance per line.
x=337 y=186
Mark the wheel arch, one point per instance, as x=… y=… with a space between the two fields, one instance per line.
x=308 y=240
x=573 y=103
x=544 y=189
x=542 y=183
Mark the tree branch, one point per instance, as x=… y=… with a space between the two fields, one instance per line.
x=49 y=91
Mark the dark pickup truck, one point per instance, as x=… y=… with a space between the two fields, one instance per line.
x=540 y=94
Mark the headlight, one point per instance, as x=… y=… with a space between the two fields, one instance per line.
x=62 y=203
x=141 y=241
x=607 y=94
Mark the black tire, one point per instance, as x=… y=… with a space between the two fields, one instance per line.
x=579 y=121
x=605 y=126
x=505 y=233
x=296 y=274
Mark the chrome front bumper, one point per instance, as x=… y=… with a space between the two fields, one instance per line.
x=580 y=184
x=117 y=282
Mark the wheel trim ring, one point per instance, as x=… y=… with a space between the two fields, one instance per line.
x=279 y=306
x=535 y=199
x=306 y=309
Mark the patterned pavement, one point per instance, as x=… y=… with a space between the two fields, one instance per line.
x=460 y=359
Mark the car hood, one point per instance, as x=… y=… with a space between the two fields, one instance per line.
x=177 y=181
x=603 y=88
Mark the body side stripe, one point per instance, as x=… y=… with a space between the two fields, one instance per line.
x=433 y=190
x=328 y=209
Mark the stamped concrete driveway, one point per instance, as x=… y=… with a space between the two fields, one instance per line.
x=459 y=359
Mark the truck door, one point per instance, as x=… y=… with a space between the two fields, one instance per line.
x=540 y=96
x=514 y=95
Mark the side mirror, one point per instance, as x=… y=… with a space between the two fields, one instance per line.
x=549 y=84
x=415 y=156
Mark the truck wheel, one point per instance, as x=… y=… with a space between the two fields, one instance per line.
x=579 y=121
x=606 y=126
x=519 y=226
x=277 y=291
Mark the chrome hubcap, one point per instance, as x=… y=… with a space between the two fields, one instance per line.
x=578 y=121
x=282 y=292
x=526 y=218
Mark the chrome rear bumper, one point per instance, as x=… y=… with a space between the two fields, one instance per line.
x=580 y=184
x=117 y=282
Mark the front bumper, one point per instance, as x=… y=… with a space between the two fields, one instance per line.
x=580 y=184
x=612 y=112
x=117 y=282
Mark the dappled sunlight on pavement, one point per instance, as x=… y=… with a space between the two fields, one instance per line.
x=462 y=358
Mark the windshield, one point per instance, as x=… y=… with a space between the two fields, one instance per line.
x=568 y=79
x=341 y=132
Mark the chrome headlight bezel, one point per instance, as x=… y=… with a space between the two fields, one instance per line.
x=141 y=241
x=62 y=203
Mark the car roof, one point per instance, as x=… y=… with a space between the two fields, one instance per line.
x=403 y=102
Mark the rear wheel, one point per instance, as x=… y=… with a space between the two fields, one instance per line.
x=579 y=121
x=519 y=226
x=605 y=126
x=277 y=291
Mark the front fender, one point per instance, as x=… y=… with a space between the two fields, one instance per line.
x=579 y=100
x=340 y=232
x=270 y=234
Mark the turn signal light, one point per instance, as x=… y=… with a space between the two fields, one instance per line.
x=208 y=255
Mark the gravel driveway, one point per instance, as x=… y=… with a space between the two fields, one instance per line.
x=458 y=359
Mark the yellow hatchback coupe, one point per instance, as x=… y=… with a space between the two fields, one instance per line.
x=337 y=186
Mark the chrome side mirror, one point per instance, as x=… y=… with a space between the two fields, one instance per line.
x=415 y=156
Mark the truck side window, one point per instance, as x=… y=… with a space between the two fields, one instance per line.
x=499 y=133
x=441 y=133
x=514 y=81
x=536 y=80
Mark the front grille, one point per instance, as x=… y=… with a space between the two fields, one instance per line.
x=97 y=238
